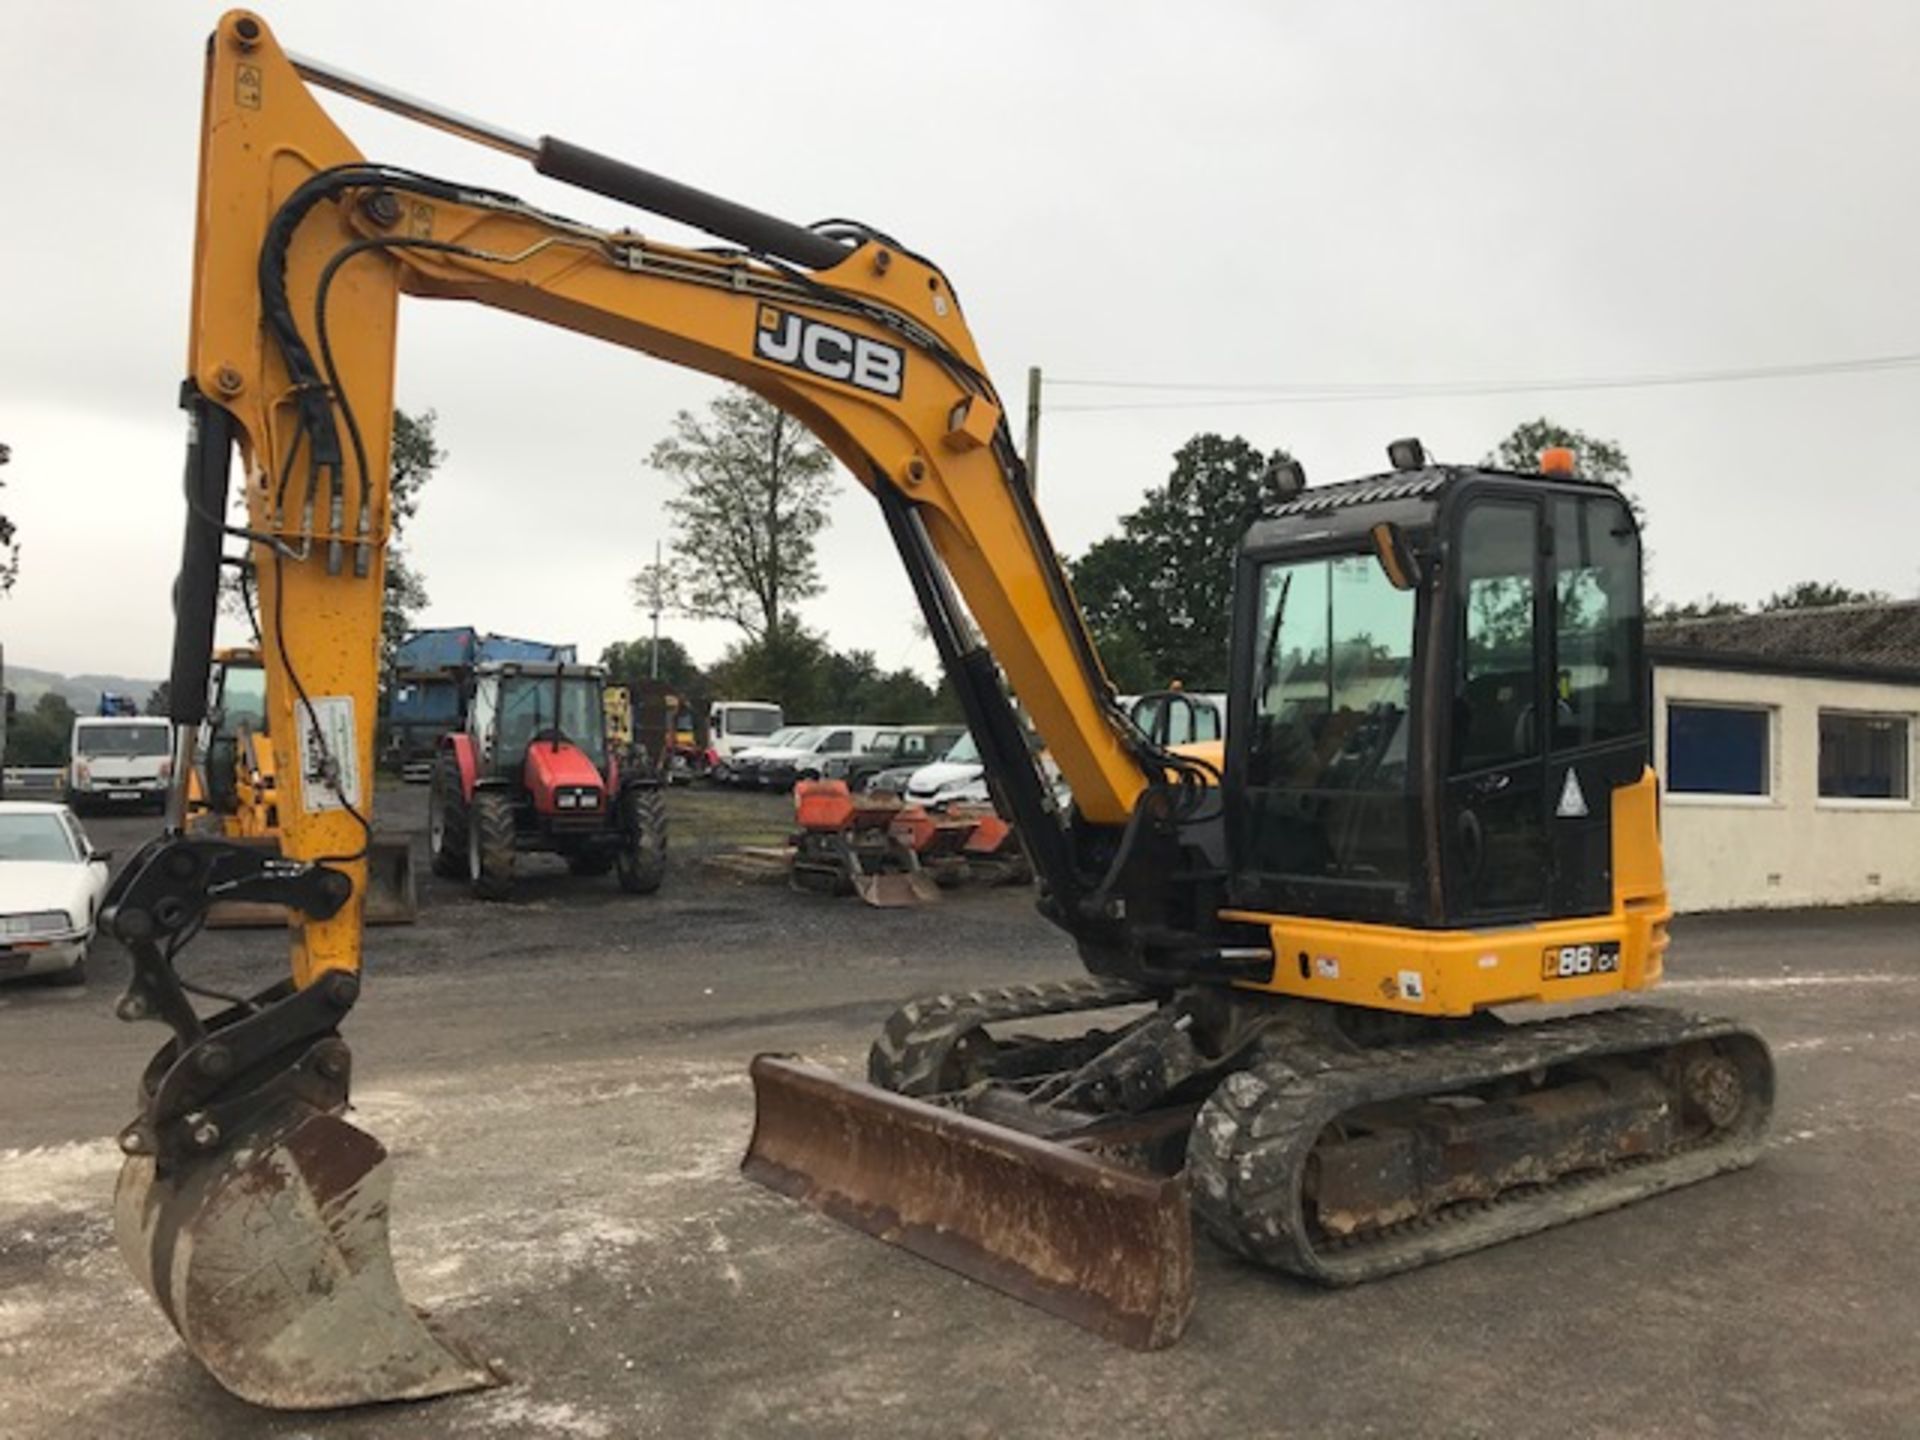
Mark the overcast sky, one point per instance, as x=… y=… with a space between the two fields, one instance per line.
x=1267 y=192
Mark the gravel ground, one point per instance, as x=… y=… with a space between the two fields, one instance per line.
x=562 y=1081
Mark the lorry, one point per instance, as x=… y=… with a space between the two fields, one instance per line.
x=120 y=760
x=433 y=683
x=736 y=725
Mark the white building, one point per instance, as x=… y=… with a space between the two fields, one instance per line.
x=1786 y=746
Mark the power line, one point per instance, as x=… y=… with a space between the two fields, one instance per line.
x=1330 y=392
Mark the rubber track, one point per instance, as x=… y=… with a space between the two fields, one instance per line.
x=1247 y=1158
x=916 y=1043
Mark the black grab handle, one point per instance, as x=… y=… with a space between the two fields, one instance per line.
x=617 y=180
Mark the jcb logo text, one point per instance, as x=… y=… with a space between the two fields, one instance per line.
x=828 y=351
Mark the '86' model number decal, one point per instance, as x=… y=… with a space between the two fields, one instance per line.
x=1568 y=962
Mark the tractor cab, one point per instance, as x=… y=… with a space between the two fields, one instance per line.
x=526 y=716
x=1439 y=701
x=535 y=770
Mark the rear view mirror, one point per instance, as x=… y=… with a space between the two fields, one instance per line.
x=101 y=857
x=1395 y=555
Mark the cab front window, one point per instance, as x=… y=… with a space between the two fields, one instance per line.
x=1328 y=798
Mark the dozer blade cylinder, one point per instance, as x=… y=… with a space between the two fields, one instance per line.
x=1108 y=1248
x=271 y=1260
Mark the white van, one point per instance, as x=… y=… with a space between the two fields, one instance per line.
x=733 y=725
x=120 y=760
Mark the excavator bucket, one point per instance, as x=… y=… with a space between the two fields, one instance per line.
x=895 y=889
x=393 y=897
x=1106 y=1247
x=271 y=1260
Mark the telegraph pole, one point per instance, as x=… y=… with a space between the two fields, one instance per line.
x=1033 y=427
x=655 y=612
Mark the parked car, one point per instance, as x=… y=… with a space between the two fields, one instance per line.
x=956 y=775
x=910 y=746
x=960 y=778
x=778 y=770
x=51 y=884
x=736 y=768
x=120 y=760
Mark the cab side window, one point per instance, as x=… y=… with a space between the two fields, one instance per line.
x=1494 y=695
x=1596 y=608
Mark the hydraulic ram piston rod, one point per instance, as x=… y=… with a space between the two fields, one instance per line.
x=587 y=169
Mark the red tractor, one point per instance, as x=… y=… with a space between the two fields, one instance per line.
x=534 y=771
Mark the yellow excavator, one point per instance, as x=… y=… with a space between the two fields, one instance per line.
x=231 y=793
x=1433 y=802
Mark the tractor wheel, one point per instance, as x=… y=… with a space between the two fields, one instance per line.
x=490 y=844
x=447 y=820
x=590 y=862
x=642 y=858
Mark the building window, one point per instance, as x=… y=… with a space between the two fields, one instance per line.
x=1718 y=750
x=1863 y=757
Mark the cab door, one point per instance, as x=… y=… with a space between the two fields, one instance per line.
x=1494 y=837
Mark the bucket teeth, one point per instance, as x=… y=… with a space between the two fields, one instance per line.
x=271 y=1259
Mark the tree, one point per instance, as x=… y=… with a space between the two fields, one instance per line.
x=1708 y=607
x=753 y=485
x=416 y=456
x=160 y=698
x=784 y=666
x=854 y=687
x=1159 y=595
x=1818 y=594
x=1593 y=458
x=41 y=736
x=628 y=662
x=812 y=682
x=9 y=546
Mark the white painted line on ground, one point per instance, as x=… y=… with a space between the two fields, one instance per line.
x=1845 y=1043
x=1784 y=982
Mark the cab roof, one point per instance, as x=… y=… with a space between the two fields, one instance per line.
x=1409 y=498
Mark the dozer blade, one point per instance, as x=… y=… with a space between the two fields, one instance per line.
x=1108 y=1248
x=393 y=897
x=896 y=889
x=271 y=1260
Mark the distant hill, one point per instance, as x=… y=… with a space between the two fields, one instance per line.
x=82 y=692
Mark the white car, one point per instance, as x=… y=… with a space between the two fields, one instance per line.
x=957 y=775
x=737 y=768
x=51 y=884
x=960 y=778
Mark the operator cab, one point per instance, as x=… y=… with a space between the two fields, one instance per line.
x=1438 y=683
